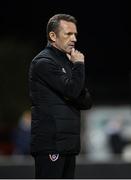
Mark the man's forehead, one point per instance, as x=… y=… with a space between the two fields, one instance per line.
x=68 y=25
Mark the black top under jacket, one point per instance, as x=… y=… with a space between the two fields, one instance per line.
x=57 y=95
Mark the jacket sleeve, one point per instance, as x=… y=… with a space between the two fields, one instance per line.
x=84 y=101
x=47 y=71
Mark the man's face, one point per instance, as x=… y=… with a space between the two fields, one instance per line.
x=66 y=37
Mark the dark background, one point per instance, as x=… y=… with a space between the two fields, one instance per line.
x=103 y=35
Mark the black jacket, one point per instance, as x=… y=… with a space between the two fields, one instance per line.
x=57 y=92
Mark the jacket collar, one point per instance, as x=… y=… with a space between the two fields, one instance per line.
x=57 y=51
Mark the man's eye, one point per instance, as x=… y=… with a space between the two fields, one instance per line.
x=69 y=34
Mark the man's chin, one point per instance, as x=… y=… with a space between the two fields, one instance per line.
x=69 y=51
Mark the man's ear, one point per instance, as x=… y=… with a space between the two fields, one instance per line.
x=52 y=36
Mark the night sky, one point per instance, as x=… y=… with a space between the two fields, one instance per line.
x=103 y=36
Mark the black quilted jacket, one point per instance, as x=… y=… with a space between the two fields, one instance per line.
x=57 y=95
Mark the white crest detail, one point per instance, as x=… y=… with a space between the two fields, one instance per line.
x=53 y=157
x=63 y=70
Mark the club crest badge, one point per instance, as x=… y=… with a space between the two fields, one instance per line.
x=53 y=157
x=63 y=70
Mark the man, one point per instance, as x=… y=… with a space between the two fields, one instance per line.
x=58 y=93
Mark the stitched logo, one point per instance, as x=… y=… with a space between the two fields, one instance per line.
x=53 y=157
x=63 y=70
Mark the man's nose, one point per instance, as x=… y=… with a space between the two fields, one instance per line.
x=73 y=38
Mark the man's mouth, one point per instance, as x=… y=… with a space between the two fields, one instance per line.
x=72 y=45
